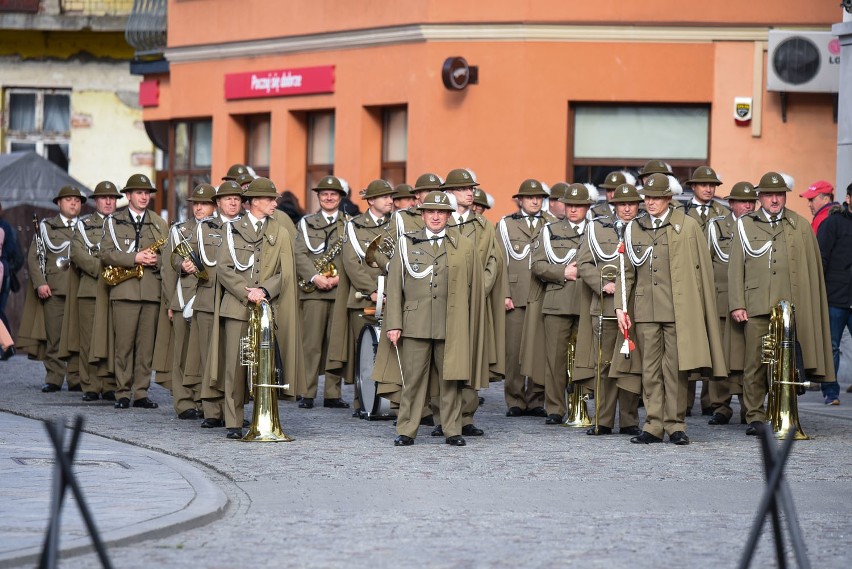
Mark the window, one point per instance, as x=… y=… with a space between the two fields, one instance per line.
x=612 y=137
x=39 y=120
x=258 y=128
x=394 y=144
x=320 y=153
x=191 y=144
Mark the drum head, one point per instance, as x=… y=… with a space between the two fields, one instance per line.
x=372 y=407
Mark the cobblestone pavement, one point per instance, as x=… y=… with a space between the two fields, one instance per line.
x=524 y=494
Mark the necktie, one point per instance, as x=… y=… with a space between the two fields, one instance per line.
x=329 y=220
x=435 y=245
x=70 y=223
x=703 y=213
x=657 y=224
x=258 y=226
x=773 y=221
x=531 y=222
x=138 y=225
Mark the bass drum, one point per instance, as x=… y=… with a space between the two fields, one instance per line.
x=373 y=407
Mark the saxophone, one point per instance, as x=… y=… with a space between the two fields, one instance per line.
x=323 y=266
x=115 y=275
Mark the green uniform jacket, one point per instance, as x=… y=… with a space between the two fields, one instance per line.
x=699 y=343
x=276 y=272
x=464 y=349
x=315 y=232
x=752 y=285
x=720 y=237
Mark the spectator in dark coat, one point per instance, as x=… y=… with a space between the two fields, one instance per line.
x=12 y=258
x=289 y=204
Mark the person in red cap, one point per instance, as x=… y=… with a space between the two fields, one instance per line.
x=820 y=196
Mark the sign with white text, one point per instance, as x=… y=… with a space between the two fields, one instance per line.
x=279 y=83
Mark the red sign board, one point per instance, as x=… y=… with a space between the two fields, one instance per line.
x=279 y=82
x=149 y=93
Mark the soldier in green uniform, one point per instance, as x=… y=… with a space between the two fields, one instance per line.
x=675 y=309
x=601 y=247
x=613 y=180
x=653 y=167
x=482 y=202
x=180 y=284
x=554 y=264
x=435 y=300
x=44 y=308
x=319 y=241
x=517 y=233
x=358 y=287
x=256 y=263
x=210 y=237
x=775 y=256
x=129 y=235
x=403 y=197
x=720 y=235
x=554 y=206
x=86 y=263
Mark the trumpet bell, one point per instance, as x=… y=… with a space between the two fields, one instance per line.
x=578 y=413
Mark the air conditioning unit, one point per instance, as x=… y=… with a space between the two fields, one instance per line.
x=803 y=62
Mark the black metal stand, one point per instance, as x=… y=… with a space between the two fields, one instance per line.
x=63 y=478
x=776 y=498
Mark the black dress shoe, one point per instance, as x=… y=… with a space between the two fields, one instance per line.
x=246 y=423
x=456 y=441
x=336 y=403
x=630 y=431
x=211 y=423
x=600 y=431
x=437 y=431
x=77 y=387
x=189 y=414
x=403 y=441
x=108 y=395
x=481 y=399
x=234 y=434
x=514 y=412
x=357 y=414
x=679 y=438
x=553 y=420
x=472 y=431
x=145 y=403
x=8 y=352
x=306 y=403
x=123 y=403
x=427 y=421
x=718 y=419
x=645 y=438
x=689 y=412
x=90 y=396
x=754 y=428
x=707 y=411
x=50 y=388
x=537 y=412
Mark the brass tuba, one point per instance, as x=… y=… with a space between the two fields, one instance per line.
x=778 y=352
x=115 y=275
x=257 y=353
x=578 y=414
x=608 y=273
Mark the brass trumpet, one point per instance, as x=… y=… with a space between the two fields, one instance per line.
x=114 y=275
x=778 y=352
x=184 y=250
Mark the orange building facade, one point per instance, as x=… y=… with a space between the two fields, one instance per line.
x=564 y=91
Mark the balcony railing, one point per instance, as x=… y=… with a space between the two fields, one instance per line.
x=146 y=27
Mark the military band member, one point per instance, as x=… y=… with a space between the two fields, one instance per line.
x=653 y=167
x=256 y=263
x=482 y=202
x=554 y=205
x=601 y=247
x=129 y=235
x=775 y=256
x=675 y=309
x=613 y=180
x=358 y=285
x=180 y=283
x=404 y=197
x=518 y=232
x=435 y=303
x=44 y=308
x=211 y=237
x=720 y=235
x=234 y=172
x=319 y=240
x=85 y=258
x=460 y=184
x=410 y=219
x=554 y=264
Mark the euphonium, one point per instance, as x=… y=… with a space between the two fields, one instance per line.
x=608 y=273
x=578 y=414
x=257 y=353
x=779 y=354
x=324 y=266
x=114 y=275
x=184 y=250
